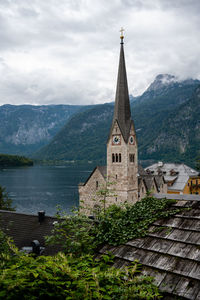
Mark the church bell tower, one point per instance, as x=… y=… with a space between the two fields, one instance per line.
x=122 y=154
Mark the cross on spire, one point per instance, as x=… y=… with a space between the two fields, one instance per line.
x=122 y=33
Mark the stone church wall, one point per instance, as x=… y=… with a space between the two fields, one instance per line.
x=88 y=198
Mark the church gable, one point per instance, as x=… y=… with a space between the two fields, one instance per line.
x=116 y=136
x=142 y=189
x=88 y=192
x=132 y=134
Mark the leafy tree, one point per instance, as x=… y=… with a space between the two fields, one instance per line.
x=105 y=192
x=4 y=244
x=5 y=201
x=74 y=233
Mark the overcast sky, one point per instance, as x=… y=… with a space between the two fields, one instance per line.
x=67 y=51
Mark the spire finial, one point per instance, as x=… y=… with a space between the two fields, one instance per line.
x=122 y=34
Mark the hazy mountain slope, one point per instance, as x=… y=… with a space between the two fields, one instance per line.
x=25 y=128
x=85 y=135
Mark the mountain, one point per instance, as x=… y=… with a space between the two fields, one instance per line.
x=85 y=134
x=25 y=128
x=178 y=138
x=82 y=138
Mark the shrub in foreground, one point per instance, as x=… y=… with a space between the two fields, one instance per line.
x=67 y=277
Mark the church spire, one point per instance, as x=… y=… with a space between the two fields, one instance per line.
x=122 y=112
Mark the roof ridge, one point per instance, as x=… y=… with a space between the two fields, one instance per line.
x=24 y=214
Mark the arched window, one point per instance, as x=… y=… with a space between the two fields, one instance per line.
x=131 y=157
x=113 y=157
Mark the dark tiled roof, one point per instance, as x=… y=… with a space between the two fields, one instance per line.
x=148 y=181
x=159 y=179
x=25 y=228
x=122 y=112
x=170 y=252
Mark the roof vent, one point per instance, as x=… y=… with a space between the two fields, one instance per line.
x=41 y=216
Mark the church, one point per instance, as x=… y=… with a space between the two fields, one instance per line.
x=122 y=179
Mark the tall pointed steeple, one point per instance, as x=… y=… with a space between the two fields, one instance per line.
x=122 y=154
x=122 y=112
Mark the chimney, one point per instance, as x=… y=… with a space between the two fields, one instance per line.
x=35 y=247
x=41 y=216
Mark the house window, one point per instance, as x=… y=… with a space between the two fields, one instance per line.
x=131 y=157
x=116 y=157
x=116 y=199
x=142 y=190
x=97 y=185
x=120 y=157
x=116 y=176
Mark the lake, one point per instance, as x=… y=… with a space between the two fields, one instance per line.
x=44 y=187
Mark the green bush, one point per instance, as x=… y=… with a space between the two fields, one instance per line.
x=66 y=277
x=74 y=233
x=122 y=223
x=114 y=225
x=5 y=201
x=4 y=244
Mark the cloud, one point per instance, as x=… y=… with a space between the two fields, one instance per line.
x=67 y=51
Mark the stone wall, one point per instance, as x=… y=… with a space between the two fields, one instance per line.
x=88 y=198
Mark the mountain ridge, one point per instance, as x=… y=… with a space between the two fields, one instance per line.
x=149 y=111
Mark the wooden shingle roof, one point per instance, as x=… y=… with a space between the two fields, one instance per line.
x=170 y=252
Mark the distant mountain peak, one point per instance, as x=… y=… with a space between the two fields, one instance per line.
x=162 y=80
x=165 y=80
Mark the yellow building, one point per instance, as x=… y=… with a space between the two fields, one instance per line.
x=192 y=186
x=180 y=178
